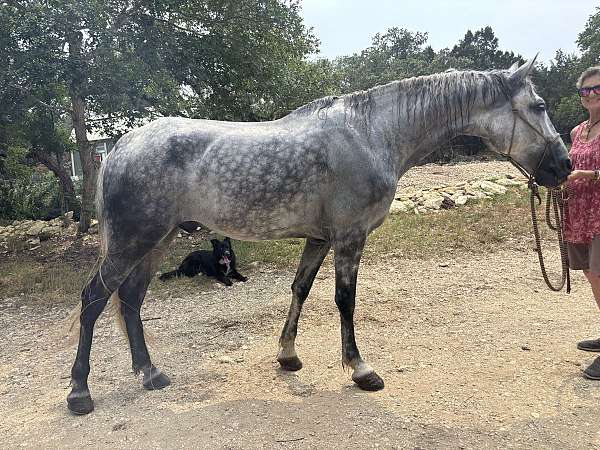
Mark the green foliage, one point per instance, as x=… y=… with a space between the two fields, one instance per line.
x=480 y=50
x=556 y=84
x=30 y=197
x=16 y=165
x=588 y=41
x=567 y=114
x=302 y=83
x=196 y=58
x=393 y=55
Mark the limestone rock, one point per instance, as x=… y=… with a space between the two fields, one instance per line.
x=509 y=182
x=492 y=188
x=36 y=228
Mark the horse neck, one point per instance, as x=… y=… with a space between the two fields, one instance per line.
x=405 y=127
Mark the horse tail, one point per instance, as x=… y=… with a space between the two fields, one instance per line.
x=102 y=228
x=71 y=328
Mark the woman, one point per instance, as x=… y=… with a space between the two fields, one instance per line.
x=582 y=219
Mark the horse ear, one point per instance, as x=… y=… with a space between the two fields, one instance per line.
x=517 y=77
x=514 y=67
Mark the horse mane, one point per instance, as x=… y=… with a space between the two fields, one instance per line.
x=314 y=106
x=444 y=99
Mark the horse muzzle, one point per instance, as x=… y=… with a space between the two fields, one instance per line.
x=554 y=168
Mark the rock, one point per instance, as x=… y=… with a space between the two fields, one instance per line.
x=433 y=202
x=508 y=182
x=34 y=241
x=461 y=200
x=49 y=232
x=491 y=187
x=36 y=228
x=479 y=195
x=226 y=360
x=401 y=206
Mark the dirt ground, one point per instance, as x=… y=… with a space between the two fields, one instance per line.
x=475 y=352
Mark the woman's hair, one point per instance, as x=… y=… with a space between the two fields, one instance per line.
x=589 y=72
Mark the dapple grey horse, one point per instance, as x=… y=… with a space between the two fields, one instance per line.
x=327 y=172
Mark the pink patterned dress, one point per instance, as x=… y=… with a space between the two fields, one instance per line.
x=582 y=215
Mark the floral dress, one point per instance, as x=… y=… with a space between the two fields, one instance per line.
x=582 y=215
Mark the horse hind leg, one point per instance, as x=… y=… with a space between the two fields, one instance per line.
x=113 y=270
x=93 y=301
x=131 y=295
x=312 y=258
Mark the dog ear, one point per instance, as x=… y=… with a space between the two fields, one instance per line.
x=214 y=242
x=227 y=240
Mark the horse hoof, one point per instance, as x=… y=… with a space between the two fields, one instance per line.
x=369 y=382
x=80 y=405
x=155 y=379
x=290 y=364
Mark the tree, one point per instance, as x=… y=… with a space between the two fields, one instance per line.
x=393 y=55
x=481 y=48
x=556 y=84
x=124 y=60
x=303 y=82
x=588 y=41
x=48 y=142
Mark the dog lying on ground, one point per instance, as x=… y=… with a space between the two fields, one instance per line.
x=220 y=263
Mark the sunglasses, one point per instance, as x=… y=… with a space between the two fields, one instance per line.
x=586 y=91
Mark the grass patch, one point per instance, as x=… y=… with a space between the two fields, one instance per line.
x=49 y=282
x=279 y=253
x=478 y=227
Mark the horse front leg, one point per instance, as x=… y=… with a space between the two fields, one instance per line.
x=312 y=257
x=348 y=252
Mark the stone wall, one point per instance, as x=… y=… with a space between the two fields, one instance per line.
x=451 y=196
x=33 y=232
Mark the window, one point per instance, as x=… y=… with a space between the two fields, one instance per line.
x=100 y=151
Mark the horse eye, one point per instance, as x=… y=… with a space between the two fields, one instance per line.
x=540 y=107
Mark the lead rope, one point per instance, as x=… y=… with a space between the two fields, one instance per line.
x=557 y=198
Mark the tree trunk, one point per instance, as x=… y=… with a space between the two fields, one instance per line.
x=66 y=184
x=88 y=165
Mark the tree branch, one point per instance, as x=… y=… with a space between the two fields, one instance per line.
x=56 y=109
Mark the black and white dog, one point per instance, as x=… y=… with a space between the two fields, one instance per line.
x=220 y=263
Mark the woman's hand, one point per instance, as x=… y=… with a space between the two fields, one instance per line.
x=581 y=174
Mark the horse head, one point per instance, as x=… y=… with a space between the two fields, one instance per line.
x=518 y=127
